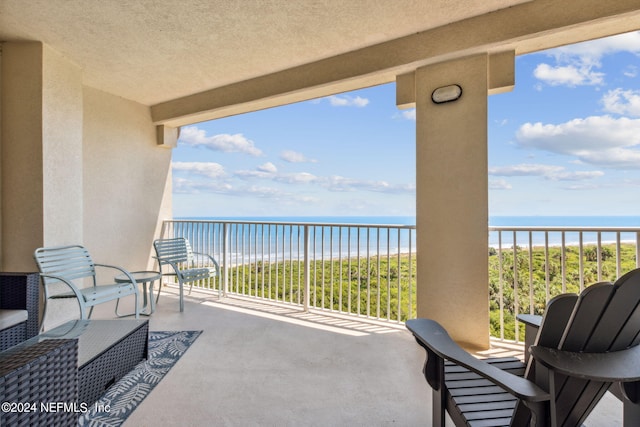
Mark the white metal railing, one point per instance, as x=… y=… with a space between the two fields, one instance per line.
x=361 y=269
x=549 y=261
x=370 y=269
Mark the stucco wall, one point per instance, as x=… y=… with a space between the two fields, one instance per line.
x=125 y=178
x=452 y=200
x=61 y=150
x=41 y=152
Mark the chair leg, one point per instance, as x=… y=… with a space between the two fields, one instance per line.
x=181 y=296
x=631 y=404
x=136 y=306
x=44 y=315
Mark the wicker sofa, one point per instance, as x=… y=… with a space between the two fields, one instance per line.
x=38 y=374
x=35 y=377
x=19 y=307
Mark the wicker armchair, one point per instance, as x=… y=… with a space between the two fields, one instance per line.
x=18 y=299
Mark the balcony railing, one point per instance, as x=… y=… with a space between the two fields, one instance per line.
x=358 y=269
x=370 y=269
x=549 y=261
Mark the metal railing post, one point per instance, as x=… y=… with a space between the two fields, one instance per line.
x=225 y=259
x=307 y=268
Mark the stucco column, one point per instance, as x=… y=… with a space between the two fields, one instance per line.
x=452 y=200
x=41 y=161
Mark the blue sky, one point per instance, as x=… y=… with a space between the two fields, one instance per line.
x=565 y=141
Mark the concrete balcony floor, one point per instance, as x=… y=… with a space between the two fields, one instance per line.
x=261 y=364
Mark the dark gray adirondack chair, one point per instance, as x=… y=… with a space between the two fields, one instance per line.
x=585 y=344
x=69 y=272
x=187 y=266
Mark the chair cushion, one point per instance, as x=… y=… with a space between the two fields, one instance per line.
x=9 y=318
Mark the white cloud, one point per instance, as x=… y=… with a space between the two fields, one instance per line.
x=186 y=186
x=550 y=172
x=218 y=181
x=409 y=114
x=525 y=169
x=570 y=75
x=295 y=157
x=598 y=140
x=268 y=168
x=279 y=195
x=297 y=178
x=576 y=176
x=348 y=101
x=630 y=71
x=192 y=135
x=576 y=64
x=406 y=115
x=208 y=169
x=624 y=102
x=594 y=50
x=499 y=184
x=332 y=183
x=266 y=171
x=340 y=184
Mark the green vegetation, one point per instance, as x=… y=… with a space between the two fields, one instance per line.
x=386 y=287
x=543 y=272
x=368 y=288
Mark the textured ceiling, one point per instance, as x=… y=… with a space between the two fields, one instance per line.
x=152 y=51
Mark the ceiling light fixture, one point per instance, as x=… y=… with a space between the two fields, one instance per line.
x=446 y=94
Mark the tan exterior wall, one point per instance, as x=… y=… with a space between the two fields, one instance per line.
x=41 y=152
x=125 y=178
x=78 y=166
x=452 y=200
x=61 y=150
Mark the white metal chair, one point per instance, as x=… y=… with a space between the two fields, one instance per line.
x=177 y=254
x=65 y=272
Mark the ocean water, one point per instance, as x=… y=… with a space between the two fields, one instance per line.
x=406 y=240
x=566 y=221
x=377 y=220
x=555 y=238
x=538 y=221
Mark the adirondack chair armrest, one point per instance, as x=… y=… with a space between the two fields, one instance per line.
x=432 y=336
x=615 y=366
x=530 y=319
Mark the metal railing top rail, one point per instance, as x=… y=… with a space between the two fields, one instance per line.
x=295 y=223
x=574 y=229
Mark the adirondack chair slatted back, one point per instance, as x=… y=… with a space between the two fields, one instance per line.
x=70 y=262
x=605 y=317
